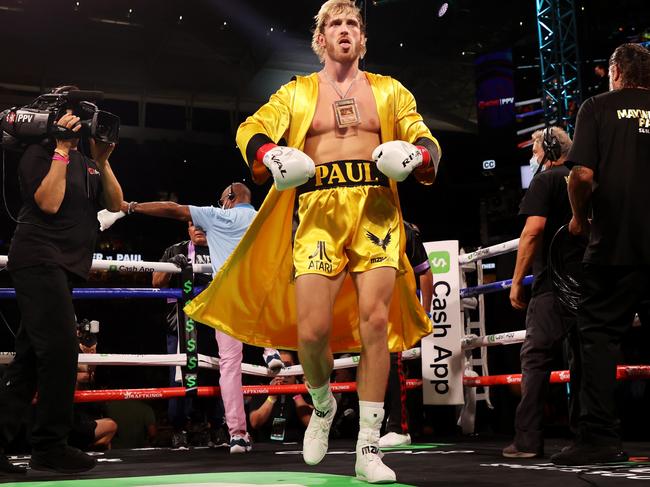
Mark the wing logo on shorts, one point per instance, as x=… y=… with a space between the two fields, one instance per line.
x=320 y=251
x=380 y=242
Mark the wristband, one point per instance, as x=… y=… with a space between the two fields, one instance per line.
x=426 y=157
x=272 y=399
x=130 y=209
x=261 y=152
x=59 y=157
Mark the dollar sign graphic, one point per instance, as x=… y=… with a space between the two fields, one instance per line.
x=192 y=363
x=187 y=287
x=189 y=325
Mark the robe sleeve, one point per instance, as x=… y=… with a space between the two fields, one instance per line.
x=268 y=124
x=411 y=128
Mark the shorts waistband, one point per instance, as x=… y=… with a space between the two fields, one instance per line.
x=344 y=174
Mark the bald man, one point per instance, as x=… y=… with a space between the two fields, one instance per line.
x=223 y=228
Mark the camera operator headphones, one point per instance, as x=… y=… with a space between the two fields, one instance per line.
x=551 y=145
x=231 y=194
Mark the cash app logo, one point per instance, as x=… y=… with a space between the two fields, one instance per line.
x=440 y=262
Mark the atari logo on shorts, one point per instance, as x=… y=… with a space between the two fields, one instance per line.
x=319 y=260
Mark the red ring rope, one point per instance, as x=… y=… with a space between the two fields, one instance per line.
x=623 y=372
x=203 y=391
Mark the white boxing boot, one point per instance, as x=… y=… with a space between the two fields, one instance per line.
x=393 y=439
x=369 y=466
x=314 y=446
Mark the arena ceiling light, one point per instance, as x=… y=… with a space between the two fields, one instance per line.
x=441 y=8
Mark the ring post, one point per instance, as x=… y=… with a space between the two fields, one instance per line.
x=189 y=345
x=442 y=356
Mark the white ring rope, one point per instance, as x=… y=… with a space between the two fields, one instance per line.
x=205 y=361
x=147 y=266
x=468 y=342
x=493 y=251
x=472 y=341
x=136 y=266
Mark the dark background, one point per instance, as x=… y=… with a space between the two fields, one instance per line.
x=183 y=75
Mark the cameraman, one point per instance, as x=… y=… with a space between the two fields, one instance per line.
x=52 y=247
x=280 y=418
x=91 y=428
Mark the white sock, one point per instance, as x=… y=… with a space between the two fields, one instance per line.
x=371 y=414
x=321 y=396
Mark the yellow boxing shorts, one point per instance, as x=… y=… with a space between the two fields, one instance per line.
x=346 y=217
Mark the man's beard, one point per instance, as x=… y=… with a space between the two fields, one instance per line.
x=338 y=55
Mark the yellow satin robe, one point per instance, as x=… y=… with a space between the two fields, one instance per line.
x=252 y=298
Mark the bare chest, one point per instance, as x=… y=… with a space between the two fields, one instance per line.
x=330 y=111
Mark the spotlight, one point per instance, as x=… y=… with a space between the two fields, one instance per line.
x=442 y=8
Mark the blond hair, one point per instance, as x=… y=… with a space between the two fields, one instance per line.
x=328 y=10
x=557 y=132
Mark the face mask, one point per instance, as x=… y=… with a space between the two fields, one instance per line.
x=534 y=165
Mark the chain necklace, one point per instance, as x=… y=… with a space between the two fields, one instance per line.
x=333 y=85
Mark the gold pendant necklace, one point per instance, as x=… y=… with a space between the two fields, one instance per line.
x=345 y=109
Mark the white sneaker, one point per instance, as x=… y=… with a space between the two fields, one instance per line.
x=240 y=443
x=273 y=360
x=369 y=466
x=394 y=439
x=314 y=446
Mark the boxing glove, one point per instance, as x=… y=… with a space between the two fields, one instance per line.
x=107 y=218
x=289 y=167
x=180 y=261
x=397 y=159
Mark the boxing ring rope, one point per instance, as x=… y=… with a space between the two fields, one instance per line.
x=623 y=372
x=180 y=359
x=135 y=266
x=114 y=292
x=469 y=342
x=493 y=251
x=209 y=391
x=492 y=287
x=144 y=293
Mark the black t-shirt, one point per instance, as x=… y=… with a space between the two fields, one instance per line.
x=201 y=256
x=66 y=238
x=612 y=138
x=415 y=251
x=294 y=429
x=547 y=196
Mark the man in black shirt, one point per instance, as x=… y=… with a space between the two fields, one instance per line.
x=283 y=417
x=52 y=247
x=602 y=82
x=611 y=171
x=397 y=424
x=546 y=208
